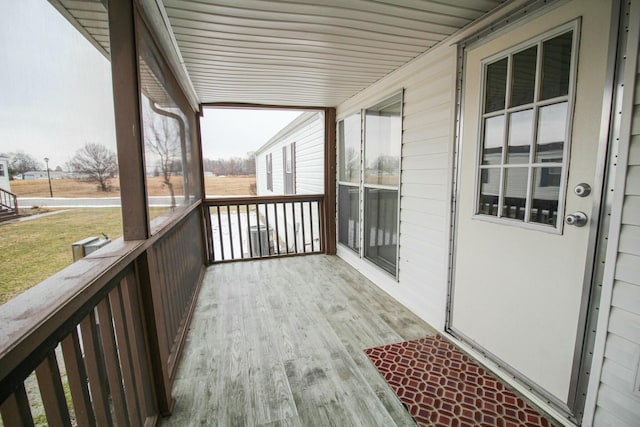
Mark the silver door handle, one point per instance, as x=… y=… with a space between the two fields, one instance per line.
x=579 y=219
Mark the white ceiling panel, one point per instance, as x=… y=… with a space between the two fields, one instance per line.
x=288 y=52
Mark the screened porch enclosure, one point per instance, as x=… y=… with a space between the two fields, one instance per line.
x=237 y=309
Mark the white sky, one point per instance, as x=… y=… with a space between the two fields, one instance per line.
x=55 y=93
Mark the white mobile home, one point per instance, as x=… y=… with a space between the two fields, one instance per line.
x=481 y=165
x=292 y=161
x=4 y=173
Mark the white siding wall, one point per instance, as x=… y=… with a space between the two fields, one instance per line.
x=308 y=134
x=618 y=400
x=427 y=152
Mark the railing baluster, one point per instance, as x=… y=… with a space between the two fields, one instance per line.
x=124 y=350
x=260 y=254
x=266 y=218
x=112 y=364
x=304 y=239
x=77 y=377
x=95 y=370
x=249 y=231
x=15 y=410
x=220 y=234
x=313 y=247
x=239 y=231
x=295 y=233
x=52 y=392
x=230 y=232
x=286 y=228
x=275 y=214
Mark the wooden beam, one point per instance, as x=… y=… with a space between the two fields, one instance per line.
x=126 y=100
x=330 y=180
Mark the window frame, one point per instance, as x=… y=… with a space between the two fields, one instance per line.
x=536 y=105
x=362 y=186
x=269 y=160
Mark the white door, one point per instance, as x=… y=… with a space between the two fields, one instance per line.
x=532 y=112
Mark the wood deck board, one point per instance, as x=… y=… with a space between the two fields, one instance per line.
x=280 y=343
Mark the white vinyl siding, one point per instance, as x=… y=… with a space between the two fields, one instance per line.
x=427 y=150
x=307 y=131
x=618 y=400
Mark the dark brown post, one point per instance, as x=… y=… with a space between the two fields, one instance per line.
x=126 y=100
x=330 y=180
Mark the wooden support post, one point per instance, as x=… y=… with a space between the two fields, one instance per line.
x=126 y=100
x=330 y=181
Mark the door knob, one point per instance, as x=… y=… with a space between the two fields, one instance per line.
x=582 y=190
x=579 y=219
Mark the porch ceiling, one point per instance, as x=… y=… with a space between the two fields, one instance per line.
x=287 y=52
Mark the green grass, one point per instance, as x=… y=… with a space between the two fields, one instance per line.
x=31 y=251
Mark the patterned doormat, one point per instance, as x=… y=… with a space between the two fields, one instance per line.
x=441 y=386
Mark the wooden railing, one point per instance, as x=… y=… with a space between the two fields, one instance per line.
x=8 y=200
x=96 y=343
x=243 y=228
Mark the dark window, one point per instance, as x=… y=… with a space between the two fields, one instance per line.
x=269 y=172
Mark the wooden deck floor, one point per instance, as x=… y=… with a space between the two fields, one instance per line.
x=280 y=342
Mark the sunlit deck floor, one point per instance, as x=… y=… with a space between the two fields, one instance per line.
x=280 y=342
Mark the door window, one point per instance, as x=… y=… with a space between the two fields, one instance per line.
x=525 y=132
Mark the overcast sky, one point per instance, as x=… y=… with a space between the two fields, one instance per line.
x=55 y=93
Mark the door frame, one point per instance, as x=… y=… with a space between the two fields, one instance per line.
x=598 y=224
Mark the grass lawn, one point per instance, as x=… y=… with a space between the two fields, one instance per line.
x=31 y=251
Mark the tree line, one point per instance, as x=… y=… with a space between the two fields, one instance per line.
x=232 y=166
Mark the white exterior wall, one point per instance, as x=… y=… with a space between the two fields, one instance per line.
x=4 y=179
x=307 y=131
x=427 y=158
x=618 y=340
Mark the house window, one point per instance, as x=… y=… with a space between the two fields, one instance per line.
x=269 y=159
x=2 y=173
x=369 y=182
x=289 y=168
x=524 y=135
x=349 y=171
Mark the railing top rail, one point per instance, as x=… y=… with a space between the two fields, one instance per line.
x=2 y=190
x=30 y=319
x=240 y=200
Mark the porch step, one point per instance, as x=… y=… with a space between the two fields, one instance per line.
x=7 y=214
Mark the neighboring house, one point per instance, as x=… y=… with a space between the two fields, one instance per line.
x=32 y=175
x=292 y=162
x=4 y=173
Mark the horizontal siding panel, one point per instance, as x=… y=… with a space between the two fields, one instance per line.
x=617 y=376
x=435 y=161
x=429 y=131
x=625 y=406
x=435 y=207
x=634 y=151
x=425 y=147
x=633 y=181
x=635 y=127
x=625 y=324
x=423 y=220
x=605 y=418
x=429 y=176
x=630 y=239
x=427 y=191
x=622 y=351
x=631 y=210
x=626 y=296
x=628 y=268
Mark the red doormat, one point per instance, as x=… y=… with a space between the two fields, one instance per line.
x=441 y=386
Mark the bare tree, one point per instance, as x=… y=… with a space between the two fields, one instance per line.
x=162 y=139
x=97 y=163
x=22 y=162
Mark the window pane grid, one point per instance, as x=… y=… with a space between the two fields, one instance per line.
x=523 y=136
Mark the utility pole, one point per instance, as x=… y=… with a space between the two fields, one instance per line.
x=46 y=160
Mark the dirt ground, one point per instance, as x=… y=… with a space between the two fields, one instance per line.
x=215 y=185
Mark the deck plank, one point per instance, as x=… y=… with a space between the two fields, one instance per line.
x=280 y=343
